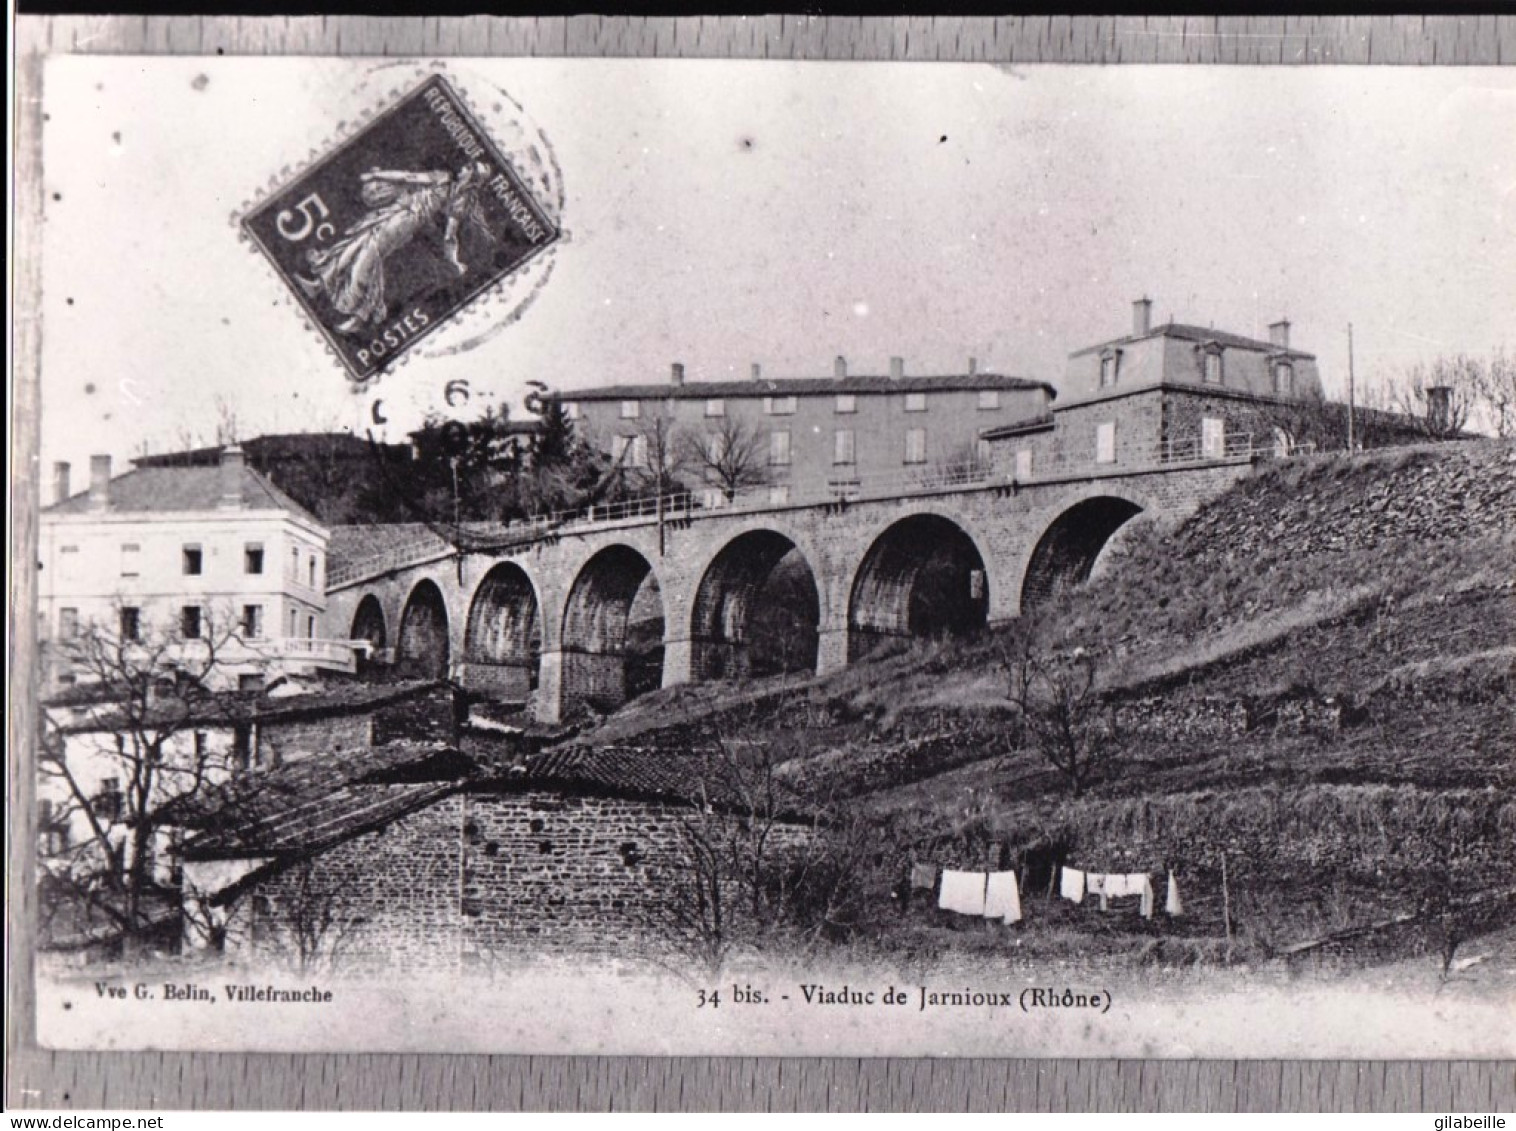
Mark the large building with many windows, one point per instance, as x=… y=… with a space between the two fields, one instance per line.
x=199 y=556
x=810 y=431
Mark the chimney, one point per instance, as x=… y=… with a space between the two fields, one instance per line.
x=1279 y=333
x=60 y=481
x=1142 y=316
x=677 y=374
x=99 y=482
x=897 y=368
x=973 y=366
x=839 y=367
x=757 y=371
x=231 y=465
x=1439 y=408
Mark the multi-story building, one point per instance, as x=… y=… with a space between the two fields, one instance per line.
x=195 y=555
x=1163 y=393
x=811 y=430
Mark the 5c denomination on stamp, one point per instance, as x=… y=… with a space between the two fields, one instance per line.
x=400 y=227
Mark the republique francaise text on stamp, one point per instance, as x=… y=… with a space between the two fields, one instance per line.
x=400 y=227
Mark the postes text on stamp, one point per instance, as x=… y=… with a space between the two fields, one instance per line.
x=400 y=227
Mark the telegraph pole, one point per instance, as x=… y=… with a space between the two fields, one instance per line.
x=1350 y=386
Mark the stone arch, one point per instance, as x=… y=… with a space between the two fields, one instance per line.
x=1069 y=548
x=923 y=576
x=613 y=630
x=368 y=624
x=757 y=610
x=502 y=637
x=423 y=649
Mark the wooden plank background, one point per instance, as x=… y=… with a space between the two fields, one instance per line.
x=178 y=1081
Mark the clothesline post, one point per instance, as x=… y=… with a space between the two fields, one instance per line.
x=1226 y=909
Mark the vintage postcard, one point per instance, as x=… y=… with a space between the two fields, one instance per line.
x=714 y=557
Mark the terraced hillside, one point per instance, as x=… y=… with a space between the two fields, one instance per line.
x=1308 y=688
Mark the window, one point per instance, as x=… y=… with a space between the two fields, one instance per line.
x=310 y=571
x=619 y=446
x=54 y=831
x=194 y=560
x=1110 y=368
x=131 y=559
x=131 y=623
x=631 y=410
x=715 y=407
x=847 y=402
x=1024 y=463
x=310 y=628
x=294 y=623
x=779 y=495
x=779 y=448
x=715 y=448
x=242 y=736
x=842 y=446
x=989 y=398
x=779 y=406
x=202 y=743
x=294 y=562
x=252 y=622
x=915 y=402
x=571 y=410
x=107 y=802
x=915 y=445
x=639 y=451
x=68 y=623
x=68 y=562
x=248 y=681
x=1284 y=378
x=1212 y=437
x=1105 y=443
x=189 y=622
x=252 y=557
x=1212 y=365
x=982 y=453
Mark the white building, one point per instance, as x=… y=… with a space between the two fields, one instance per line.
x=187 y=554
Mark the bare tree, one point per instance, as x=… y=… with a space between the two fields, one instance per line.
x=119 y=772
x=1438 y=396
x=760 y=862
x=966 y=464
x=1496 y=386
x=732 y=457
x=1060 y=713
x=313 y=918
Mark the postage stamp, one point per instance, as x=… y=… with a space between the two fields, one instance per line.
x=400 y=227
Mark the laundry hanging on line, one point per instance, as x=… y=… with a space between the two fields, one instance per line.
x=1072 y=885
x=1002 y=898
x=1172 y=904
x=963 y=892
x=923 y=876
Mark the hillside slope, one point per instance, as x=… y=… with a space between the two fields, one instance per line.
x=1313 y=685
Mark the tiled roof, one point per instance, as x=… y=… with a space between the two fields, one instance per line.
x=1018 y=428
x=653 y=773
x=231 y=707
x=801 y=386
x=163 y=490
x=1189 y=333
x=313 y=803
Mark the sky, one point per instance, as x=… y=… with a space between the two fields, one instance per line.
x=722 y=213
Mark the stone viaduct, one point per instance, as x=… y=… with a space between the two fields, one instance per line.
x=559 y=619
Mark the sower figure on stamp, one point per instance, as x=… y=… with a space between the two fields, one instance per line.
x=402 y=205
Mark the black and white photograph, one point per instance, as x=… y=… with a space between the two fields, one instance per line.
x=774 y=557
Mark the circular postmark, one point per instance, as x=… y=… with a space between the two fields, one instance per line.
x=425 y=229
